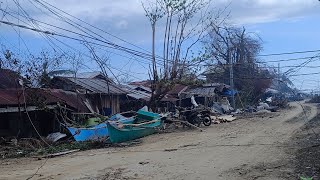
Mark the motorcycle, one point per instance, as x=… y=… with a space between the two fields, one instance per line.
x=195 y=116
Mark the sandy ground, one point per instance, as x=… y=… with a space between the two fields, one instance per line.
x=249 y=148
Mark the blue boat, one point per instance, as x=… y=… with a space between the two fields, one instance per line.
x=93 y=133
x=99 y=131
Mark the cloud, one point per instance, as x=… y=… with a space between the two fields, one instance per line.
x=262 y=11
x=126 y=17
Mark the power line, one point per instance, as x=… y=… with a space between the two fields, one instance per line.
x=51 y=33
x=94 y=26
x=65 y=36
x=48 y=39
x=292 y=59
x=78 y=26
x=288 y=53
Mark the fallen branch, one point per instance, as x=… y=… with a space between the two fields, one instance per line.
x=60 y=153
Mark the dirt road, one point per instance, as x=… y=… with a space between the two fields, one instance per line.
x=250 y=148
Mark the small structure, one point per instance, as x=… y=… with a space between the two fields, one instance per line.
x=27 y=112
x=172 y=98
x=205 y=94
x=101 y=91
x=135 y=98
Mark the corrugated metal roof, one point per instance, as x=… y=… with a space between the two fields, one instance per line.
x=178 y=89
x=35 y=97
x=135 y=93
x=139 y=96
x=83 y=75
x=145 y=83
x=97 y=85
x=201 y=91
x=216 y=85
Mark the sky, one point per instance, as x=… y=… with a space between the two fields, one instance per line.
x=283 y=26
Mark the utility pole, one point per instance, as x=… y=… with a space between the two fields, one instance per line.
x=279 y=77
x=232 y=83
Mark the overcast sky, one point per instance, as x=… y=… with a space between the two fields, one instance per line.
x=284 y=26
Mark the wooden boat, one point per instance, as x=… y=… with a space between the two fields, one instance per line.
x=93 y=133
x=99 y=131
x=145 y=124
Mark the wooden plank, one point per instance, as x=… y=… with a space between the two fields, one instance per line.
x=60 y=153
x=135 y=125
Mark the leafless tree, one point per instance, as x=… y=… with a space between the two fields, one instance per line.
x=186 y=23
x=231 y=46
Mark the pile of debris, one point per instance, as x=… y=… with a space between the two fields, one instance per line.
x=11 y=147
x=315 y=99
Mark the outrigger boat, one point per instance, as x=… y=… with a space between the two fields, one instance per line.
x=144 y=124
x=99 y=131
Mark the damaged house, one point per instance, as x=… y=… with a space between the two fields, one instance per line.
x=103 y=94
x=205 y=94
x=25 y=112
x=135 y=98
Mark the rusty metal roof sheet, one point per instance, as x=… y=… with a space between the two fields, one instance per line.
x=41 y=97
x=178 y=89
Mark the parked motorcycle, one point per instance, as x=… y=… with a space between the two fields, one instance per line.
x=195 y=116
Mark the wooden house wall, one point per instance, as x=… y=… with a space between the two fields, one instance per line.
x=101 y=101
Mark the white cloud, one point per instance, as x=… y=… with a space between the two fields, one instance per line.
x=126 y=17
x=261 y=11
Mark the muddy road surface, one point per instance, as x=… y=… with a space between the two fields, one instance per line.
x=248 y=148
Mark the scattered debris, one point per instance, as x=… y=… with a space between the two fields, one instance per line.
x=143 y=162
x=225 y=104
x=189 y=145
x=170 y=150
x=226 y=118
x=60 y=153
x=54 y=137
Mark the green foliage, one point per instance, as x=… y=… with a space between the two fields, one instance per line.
x=308 y=178
x=36 y=69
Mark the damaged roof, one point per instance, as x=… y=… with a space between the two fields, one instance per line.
x=91 y=75
x=145 y=83
x=178 y=89
x=136 y=94
x=94 y=85
x=201 y=91
x=41 y=98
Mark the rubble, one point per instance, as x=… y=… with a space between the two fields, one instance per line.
x=54 y=137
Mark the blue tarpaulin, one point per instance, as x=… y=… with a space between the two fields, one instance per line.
x=230 y=92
